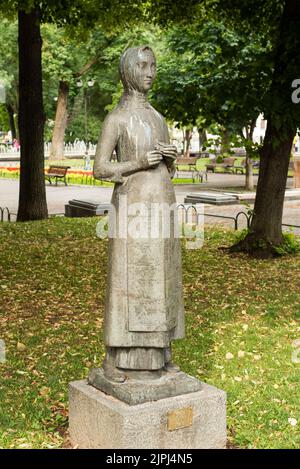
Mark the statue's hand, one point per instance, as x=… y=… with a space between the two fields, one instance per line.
x=152 y=158
x=169 y=152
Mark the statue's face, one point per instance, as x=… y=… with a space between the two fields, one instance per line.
x=144 y=71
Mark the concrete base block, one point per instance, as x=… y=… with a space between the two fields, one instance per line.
x=189 y=421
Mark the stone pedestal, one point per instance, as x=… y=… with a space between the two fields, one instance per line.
x=86 y=208
x=189 y=421
x=210 y=197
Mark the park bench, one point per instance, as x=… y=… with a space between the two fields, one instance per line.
x=227 y=165
x=190 y=164
x=241 y=168
x=57 y=172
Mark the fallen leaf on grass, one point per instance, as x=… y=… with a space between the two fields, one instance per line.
x=21 y=347
x=44 y=391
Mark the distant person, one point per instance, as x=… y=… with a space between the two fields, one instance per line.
x=16 y=144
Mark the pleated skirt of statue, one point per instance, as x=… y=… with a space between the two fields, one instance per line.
x=144 y=300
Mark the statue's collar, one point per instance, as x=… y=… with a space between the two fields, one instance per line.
x=134 y=99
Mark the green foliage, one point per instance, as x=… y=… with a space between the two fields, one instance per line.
x=258 y=43
x=257 y=244
x=66 y=59
x=75 y=60
x=76 y=129
x=4 y=122
x=78 y=15
x=279 y=22
x=240 y=235
x=252 y=148
x=79 y=38
x=214 y=72
x=9 y=63
x=62 y=56
x=168 y=12
x=290 y=245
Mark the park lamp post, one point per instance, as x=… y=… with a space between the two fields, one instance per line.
x=86 y=86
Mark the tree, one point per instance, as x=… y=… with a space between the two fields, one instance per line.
x=279 y=21
x=215 y=75
x=282 y=21
x=31 y=13
x=174 y=96
x=70 y=61
x=65 y=61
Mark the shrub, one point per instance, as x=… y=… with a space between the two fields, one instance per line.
x=290 y=245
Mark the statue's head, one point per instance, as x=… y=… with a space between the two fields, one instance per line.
x=138 y=68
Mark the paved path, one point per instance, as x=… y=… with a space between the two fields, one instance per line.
x=58 y=196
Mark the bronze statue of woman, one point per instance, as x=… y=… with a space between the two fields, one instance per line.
x=144 y=307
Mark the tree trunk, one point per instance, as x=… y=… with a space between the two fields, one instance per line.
x=16 y=123
x=188 y=133
x=32 y=195
x=249 y=185
x=61 y=117
x=266 y=230
x=202 y=138
x=225 y=141
x=266 y=227
x=11 y=121
x=274 y=164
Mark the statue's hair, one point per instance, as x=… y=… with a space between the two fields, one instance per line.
x=126 y=61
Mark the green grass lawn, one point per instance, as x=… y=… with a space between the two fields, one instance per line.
x=242 y=317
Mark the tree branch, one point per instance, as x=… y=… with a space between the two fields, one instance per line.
x=91 y=62
x=86 y=67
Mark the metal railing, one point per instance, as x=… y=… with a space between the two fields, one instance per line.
x=236 y=219
x=5 y=211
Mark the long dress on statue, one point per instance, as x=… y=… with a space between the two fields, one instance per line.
x=144 y=306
